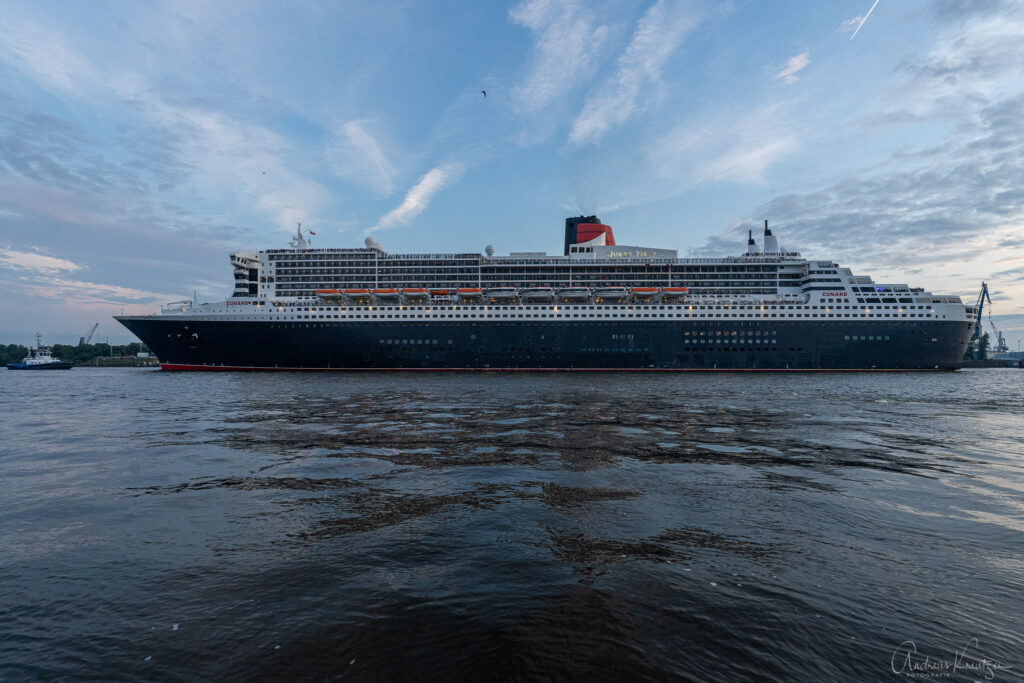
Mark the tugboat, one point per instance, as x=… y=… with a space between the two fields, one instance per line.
x=39 y=358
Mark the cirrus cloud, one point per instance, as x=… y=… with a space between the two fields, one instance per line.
x=418 y=197
x=34 y=261
x=659 y=33
x=794 y=65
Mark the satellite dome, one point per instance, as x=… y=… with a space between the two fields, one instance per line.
x=368 y=242
x=489 y=250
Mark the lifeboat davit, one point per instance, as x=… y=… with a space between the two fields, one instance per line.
x=574 y=293
x=468 y=293
x=497 y=294
x=535 y=293
x=610 y=293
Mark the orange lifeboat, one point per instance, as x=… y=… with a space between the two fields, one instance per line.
x=674 y=292
x=414 y=294
x=387 y=293
x=643 y=293
x=359 y=296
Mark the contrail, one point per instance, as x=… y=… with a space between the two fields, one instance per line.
x=864 y=19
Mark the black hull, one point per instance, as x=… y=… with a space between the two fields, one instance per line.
x=196 y=344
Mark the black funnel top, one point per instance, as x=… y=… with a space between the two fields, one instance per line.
x=570 y=229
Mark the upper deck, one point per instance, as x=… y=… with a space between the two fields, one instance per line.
x=765 y=272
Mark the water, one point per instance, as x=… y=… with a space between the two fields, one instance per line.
x=510 y=526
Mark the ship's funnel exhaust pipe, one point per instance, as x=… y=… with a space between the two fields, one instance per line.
x=751 y=244
x=771 y=242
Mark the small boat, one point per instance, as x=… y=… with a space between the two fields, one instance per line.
x=602 y=294
x=329 y=293
x=574 y=293
x=501 y=294
x=440 y=292
x=674 y=292
x=361 y=296
x=644 y=293
x=39 y=358
x=386 y=294
x=535 y=293
x=468 y=293
x=415 y=294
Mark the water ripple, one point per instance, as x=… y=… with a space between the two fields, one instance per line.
x=591 y=526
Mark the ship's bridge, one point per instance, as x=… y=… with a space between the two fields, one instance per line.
x=246 y=269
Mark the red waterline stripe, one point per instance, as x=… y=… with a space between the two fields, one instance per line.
x=257 y=368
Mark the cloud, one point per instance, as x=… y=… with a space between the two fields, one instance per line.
x=241 y=162
x=418 y=197
x=952 y=205
x=51 y=62
x=971 y=58
x=93 y=293
x=737 y=150
x=567 y=46
x=357 y=157
x=176 y=143
x=794 y=65
x=949 y=205
x=1012 y=273
x=855 y=24
x=956 y=10
x=33 y=261
x=709 y=147
x=746 y=163
x=850 y=25
x=659 y=33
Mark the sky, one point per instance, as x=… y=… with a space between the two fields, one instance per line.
x=141 y=143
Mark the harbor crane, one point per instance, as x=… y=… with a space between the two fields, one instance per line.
x=85 y=339
x=1000 y=345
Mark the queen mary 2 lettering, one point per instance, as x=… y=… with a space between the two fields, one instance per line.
x=597 y=306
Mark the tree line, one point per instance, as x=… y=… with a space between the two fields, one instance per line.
x=79 y=353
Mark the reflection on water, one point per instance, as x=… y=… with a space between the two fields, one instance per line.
x=506 y=526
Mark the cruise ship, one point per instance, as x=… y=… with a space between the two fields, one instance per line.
x=598 y=305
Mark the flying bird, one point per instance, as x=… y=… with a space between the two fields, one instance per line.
x=484 y=92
